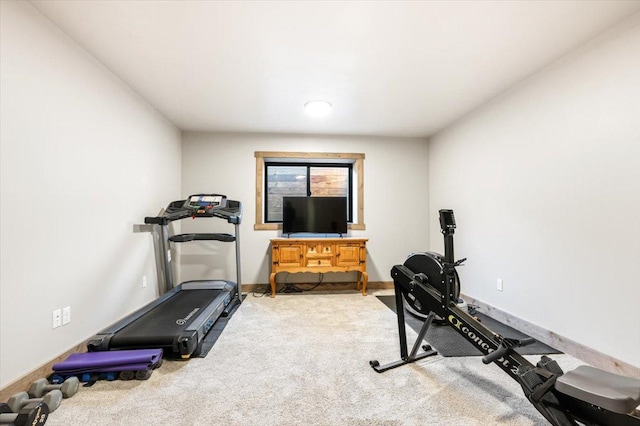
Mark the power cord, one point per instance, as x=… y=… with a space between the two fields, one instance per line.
x=287 y=287
x=472 y=309
x=266 y=291
x=319 y=282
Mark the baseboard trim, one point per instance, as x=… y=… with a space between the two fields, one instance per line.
x=23 y=383
x=568 y=346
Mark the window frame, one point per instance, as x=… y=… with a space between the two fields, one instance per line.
x=304 y=158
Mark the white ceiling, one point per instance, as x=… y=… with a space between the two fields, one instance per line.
x=389 y=68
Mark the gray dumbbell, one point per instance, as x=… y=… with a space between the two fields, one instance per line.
x=41 y=386
x=30 y=415
x=53 y=399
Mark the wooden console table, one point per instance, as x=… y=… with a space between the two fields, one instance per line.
x=319 y=255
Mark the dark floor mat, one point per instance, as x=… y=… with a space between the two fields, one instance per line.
x=449 y=343
x=212 y=336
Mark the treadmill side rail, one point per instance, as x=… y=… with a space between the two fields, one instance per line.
x=208 y=285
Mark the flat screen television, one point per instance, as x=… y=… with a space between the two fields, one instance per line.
x=318 y=215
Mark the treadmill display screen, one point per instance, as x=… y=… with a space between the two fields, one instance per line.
x=205 y=204
x=205 y=200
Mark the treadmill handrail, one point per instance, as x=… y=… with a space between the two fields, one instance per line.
x=185 y=238
x=168 y=216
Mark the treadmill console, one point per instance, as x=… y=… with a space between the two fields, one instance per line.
x=200 y=205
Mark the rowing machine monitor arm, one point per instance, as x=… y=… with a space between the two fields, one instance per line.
x=448 y=228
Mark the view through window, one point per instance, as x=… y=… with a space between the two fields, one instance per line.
x=305 y=180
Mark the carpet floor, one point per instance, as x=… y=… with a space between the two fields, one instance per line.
x=303 y=359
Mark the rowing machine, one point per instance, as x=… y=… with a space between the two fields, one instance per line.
x=429 y=284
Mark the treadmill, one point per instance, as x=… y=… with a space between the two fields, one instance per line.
x=181 y=317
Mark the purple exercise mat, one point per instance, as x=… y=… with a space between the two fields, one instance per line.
x=124 y=367
x=93 y=360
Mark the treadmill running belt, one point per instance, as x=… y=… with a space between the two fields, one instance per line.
x=159 y=326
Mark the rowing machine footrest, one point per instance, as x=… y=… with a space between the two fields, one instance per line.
x=551 y=365
x=529 y=378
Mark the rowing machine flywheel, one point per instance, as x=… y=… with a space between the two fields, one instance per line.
x=432 y=265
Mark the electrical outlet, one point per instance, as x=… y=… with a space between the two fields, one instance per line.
x=500 y=284
x=66 y=315
x=57 y=318
x=144 y=281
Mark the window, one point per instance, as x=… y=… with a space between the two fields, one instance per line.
x=280 y=174
x=285 y=179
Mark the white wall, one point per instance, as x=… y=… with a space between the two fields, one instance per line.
x=83 y=159
x=395 y=197
x=545 y=184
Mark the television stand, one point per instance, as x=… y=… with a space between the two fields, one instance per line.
x=319 y=255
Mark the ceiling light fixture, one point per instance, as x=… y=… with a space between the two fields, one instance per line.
x=317 y=108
